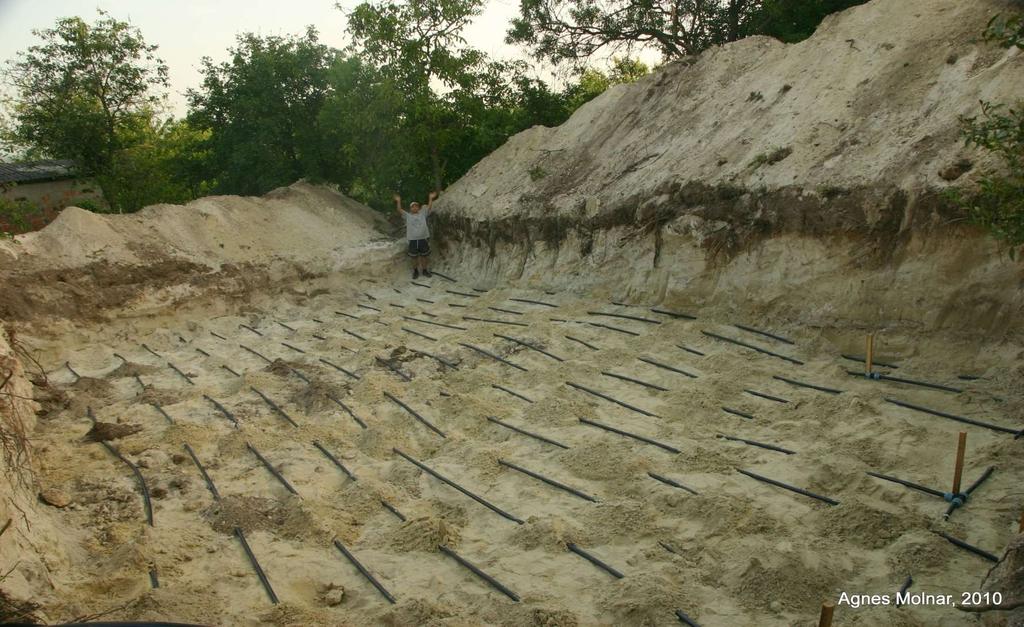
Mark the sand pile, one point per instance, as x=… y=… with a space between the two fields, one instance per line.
x=802 y=182
x=84 y=263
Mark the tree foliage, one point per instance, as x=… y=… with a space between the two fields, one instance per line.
x=80 y=91
x=573 y=31
x=261 y=111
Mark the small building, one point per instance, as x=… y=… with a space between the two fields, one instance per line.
x=47 y=185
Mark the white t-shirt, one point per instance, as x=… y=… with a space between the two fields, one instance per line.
x=416 y=224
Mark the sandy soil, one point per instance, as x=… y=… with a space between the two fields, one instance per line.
x=737 y=552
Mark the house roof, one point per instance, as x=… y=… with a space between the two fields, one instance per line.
x=28 y=171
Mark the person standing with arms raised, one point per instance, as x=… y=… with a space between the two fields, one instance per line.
x=417 y=233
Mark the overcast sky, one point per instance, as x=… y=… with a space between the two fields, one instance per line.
x=187 y=30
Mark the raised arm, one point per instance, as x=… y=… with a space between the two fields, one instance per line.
x=398 y=204
x=430 y=201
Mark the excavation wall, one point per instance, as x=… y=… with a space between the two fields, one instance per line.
x=801 y=182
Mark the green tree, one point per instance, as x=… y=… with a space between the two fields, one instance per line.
x=261 y=111
x=793 y=20
x=80 y=89
x=593 y=82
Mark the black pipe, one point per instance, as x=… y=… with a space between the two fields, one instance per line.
x=347 y=409
x=770 y=447
x=162 y=412
x=415 y=414
x=420 y=284
x=493 y=356
x=391 y=508
x=202 y=471
x=274 y=406
x=354 y=334
x=658 y=364
x=970 y=547
x=138 y=475
x=969 y=421
x=393 y=368
x=334 y=459
x=222 y=410
x=873 y=362
x=297 y=350
x=671 y=482
x=273 y=471
x=611 y=328
x=424 y=336
x=245 y=326
x=956 y=504
x=362 y=570
x=765 y=333
x=202 y=352
x=736 y=412
x=620 y=377
x=686 y=620
x=674 y=314
x=527 y=433
x=786 y=486
x=508 y=311
x=807 y=385
x=668 y=548
x=427 y=300
x=877 y=376
x=348 y=315
x=579 y=341
x=183 y=375
x=441 y=360
x=909 y=484
x=154 y=580
x=528 y=345
x=549 y=481
x=300 y=375
x=451 y=483
x=151 y=351
x=968 y=377
x=363 y=306
x=284 y=325
x=246 y=348
x=339 y=368
x=317 y=320
x=495 y=321
x=497 y=585
x=368 y=295
x=256 y=566
x=396 y=305
x=593 y=560
x=903 y=589
x=457 y=305
x=611 y=400
x=319 y=337
x=624 y=317
x=512 y=392
x=427 y=313
x=767 y=396
x=627 y=434
x=436 y=324
x=690 y=350
x=230 y=370
x=534 y=302
x=218 y=335
x=753 y=348
x=444 y=276
x=137 y=380
x=466 y=294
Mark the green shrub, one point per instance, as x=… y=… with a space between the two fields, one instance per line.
x=16 y=215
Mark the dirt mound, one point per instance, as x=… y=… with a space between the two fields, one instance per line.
x=805 y=181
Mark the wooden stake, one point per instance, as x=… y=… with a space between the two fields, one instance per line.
x=958 y=470
x=870 y=353
x=826 y=614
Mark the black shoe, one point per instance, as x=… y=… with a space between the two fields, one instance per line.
x=426 y=272
x=415 y=274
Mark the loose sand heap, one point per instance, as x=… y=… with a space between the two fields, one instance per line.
x=726 y=549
